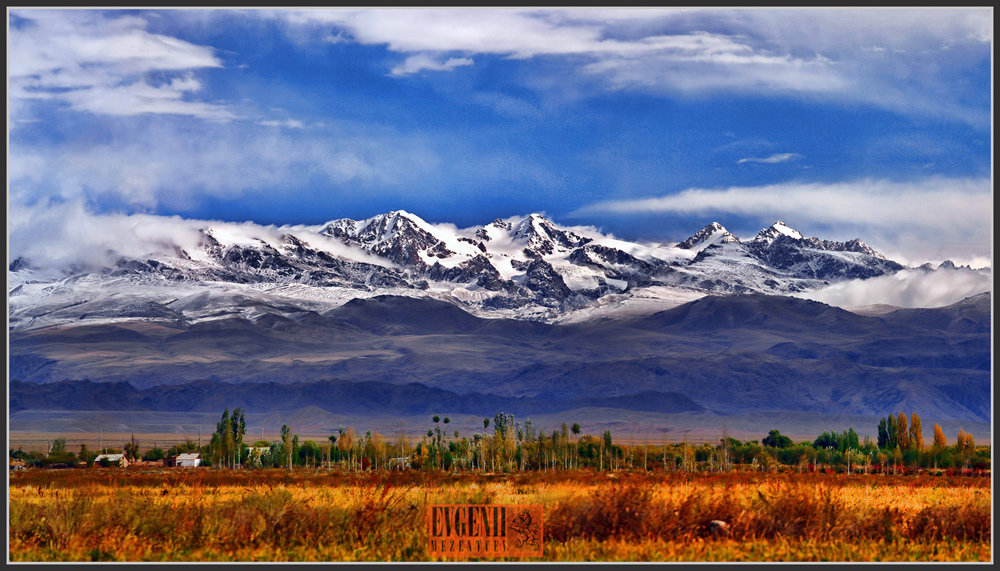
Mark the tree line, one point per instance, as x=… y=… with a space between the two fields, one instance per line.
x=506 y=444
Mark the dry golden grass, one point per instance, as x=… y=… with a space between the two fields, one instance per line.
x=271 y=515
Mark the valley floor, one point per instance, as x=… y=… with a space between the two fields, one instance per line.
x=275 y=515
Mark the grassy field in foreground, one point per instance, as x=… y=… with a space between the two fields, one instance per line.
x=273 y=515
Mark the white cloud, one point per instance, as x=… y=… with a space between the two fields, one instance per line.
x=286 y=123
x=154 y=164
x=907 y=288
x=935 y=218
x=806 y=52
x=421 y=62
x=526 y=34
x=776 y=158
x=56 y=237
x=508 y=105
x=105 y=65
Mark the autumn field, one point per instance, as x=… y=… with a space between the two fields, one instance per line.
x=273 y=515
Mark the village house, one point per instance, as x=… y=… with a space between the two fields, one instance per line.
x=188 y=460
x=113 y=459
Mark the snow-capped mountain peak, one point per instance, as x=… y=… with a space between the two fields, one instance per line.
x=541 y=237
x=777 y=229
x=534 y=227
x=713 y=233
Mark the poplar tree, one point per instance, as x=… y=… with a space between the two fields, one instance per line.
x=966 y=444
x=916 y=433
x=902 y=434
x=286 y=439
x=939 y=440
x=238 y=428
x=883 y=435
x=890 y=429
x=131 y=449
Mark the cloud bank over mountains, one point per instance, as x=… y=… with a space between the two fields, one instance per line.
x=916 y=222
x=907 y=288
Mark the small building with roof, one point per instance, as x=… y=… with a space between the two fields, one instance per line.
x=188 y=460
x=112 y=459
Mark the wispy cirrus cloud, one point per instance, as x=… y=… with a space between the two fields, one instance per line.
x=892 y=58
x=286 y=123
x=933 y=218
x=110 y=65
x=525 y=34
x=422 y=61
x=773 y=159
x=155 y=165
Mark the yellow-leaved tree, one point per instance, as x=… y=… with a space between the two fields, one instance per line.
x=939 y=440
x=902 y=433
x=916 y=432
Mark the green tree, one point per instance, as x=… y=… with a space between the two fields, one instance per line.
x=575 y=429
x=286 y=440
x=238 y=427
x=58 y=453
x=154 y=454
x=86 y=455
x=222 y=442
x=827 y=440
x=775 y=439
x=131 y=449
x=883 y=434
x=187 y=446
x=58 y=447
x=851 y=440
x=890 y=427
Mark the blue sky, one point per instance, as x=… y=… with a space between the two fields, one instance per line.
x=645 y=123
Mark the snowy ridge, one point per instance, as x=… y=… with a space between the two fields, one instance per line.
x=522 y=267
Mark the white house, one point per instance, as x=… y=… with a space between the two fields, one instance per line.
x=113 y=459
x=188 y=460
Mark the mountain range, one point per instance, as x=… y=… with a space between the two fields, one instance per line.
x=395 y=316
x=525 y=268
